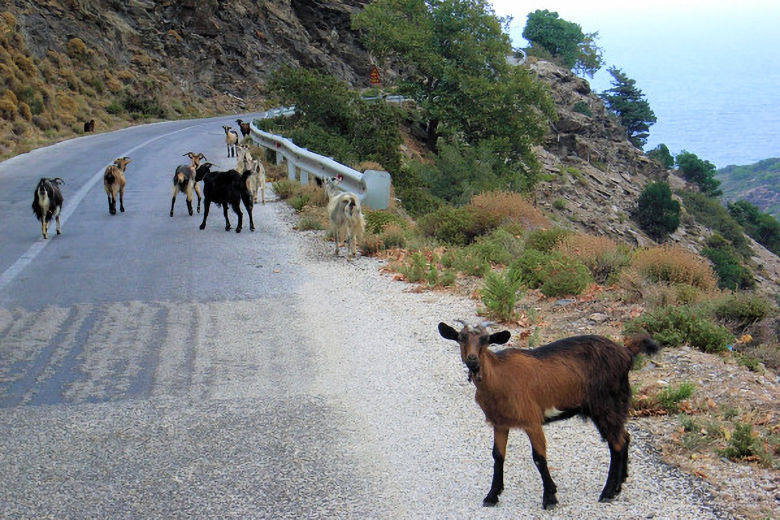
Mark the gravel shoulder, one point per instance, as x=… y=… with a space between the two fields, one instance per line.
x=421 y=435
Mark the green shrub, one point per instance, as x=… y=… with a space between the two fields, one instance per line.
x=565 y=276
x=309 y=222
x=143 y=106
x=732 y=274
x=559 y=203
x=377 y=220
x=742 y=442
x=467 y=261
x=499 y=247
x=393 y=236
x=711 y=213
x=529 y=268
x=675 y=325
x=417 y=268
x=115 y=108
x=285 y=188
x=546 y=240
x=657 y=213
x=743 y=309
x=451 y=225
x=499 y=295
x=670 y=397
x=583 y=108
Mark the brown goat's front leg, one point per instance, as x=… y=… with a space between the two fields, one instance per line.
x=500 y=437
x=539 y=454
x=198 y=193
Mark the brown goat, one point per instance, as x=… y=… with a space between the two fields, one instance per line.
x=185 y=179
x=244 y=127
x=114 y=182
x=581 y=375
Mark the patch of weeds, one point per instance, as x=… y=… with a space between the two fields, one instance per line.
x=742 y=443
x=670 y=397
x=499 y=295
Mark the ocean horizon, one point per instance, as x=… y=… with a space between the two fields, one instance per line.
x=710 y=75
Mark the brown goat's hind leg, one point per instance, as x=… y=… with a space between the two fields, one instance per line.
x=539 y=454
x=618 y=470
x=121 y=199
x=500 y=436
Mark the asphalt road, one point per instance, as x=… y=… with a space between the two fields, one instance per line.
x=149 y=369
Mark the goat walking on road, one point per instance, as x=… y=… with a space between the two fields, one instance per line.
x=345 y=215
x=581 y=375
x=114 y=182
x=226 y=188
x=47 y=203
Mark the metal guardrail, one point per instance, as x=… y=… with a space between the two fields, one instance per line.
x=372 y=186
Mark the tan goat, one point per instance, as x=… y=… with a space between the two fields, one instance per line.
x=114 y=182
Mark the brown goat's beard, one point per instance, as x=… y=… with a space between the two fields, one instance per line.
x=474 y=376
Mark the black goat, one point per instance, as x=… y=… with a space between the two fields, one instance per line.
x=581 y=375
x=47 y=203
x=244 y=127
x=227 y=188
x=89 y=126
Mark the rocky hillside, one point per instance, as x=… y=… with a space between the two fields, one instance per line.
x=68 y=61
x=757 y=183
x=594 y=175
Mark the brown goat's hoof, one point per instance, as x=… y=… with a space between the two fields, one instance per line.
x=171 y=213
x=122 y=210
x=203 y=226
x=549 y=502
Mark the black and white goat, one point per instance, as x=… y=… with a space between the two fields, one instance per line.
x=185 y=180
x=47 y=203
x=227 y=188
x=581 y=375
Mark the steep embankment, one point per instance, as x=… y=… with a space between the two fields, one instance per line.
x=64 y=62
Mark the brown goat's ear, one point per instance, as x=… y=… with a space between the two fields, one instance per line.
x=499 y=338
x=448 y=332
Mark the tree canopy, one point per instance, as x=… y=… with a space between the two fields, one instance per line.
x=699 y=172
x=564 y=41
x=452 y=55
x=630 y=105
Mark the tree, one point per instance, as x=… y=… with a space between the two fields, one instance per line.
x=452 y=56
x=628 y=102
x=331 y=119
x=564 y=41
x=656 y=212
x=662 y=156
x=699 y=172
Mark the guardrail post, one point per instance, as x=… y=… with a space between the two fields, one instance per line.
x=304 y=176
x=290 y=170
x=377 y=194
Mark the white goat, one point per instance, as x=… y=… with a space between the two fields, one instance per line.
x=231 y=139
x=346 y=218
x=256 y=181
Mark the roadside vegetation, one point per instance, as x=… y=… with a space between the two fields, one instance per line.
x=462 y=220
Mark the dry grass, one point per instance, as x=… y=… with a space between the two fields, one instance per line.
x=603 y=256
x=509 y=207
x=674 y=265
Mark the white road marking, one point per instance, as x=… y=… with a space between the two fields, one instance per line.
x=72 y=203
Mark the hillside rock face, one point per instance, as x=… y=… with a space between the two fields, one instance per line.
x=594 y=175
x=206 y=45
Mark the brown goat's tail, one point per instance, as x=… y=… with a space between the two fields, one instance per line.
x=641 y=344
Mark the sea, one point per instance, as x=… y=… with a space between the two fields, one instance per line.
x=709 y=70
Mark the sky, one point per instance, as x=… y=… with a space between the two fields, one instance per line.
x=692 y=59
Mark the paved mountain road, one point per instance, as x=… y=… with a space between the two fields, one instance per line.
x=152 y=370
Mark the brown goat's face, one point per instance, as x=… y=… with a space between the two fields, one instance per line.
x=473 y=340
